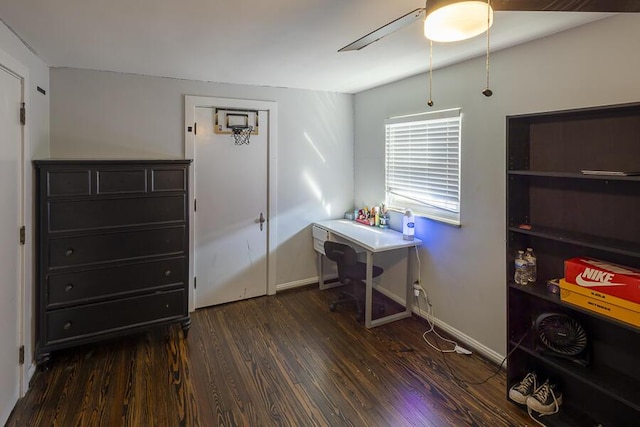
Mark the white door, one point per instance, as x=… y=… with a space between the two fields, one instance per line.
x=230 y=189
x=10 y=254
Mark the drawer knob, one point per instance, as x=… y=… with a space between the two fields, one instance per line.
x=68 y=288
x=67 y=325
x=68 y=252
x=167 y=273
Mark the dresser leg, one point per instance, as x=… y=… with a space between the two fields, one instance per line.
x=43 y=361
x=186 y=324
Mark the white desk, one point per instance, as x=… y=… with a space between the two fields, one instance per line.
x=372 y=240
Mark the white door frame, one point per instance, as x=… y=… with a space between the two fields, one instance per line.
x=25 y=296
x=190 y=105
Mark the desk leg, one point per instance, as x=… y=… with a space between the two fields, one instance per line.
x=320 y=271
x=368 y=304
x=408 y=306
x=409 y=295
x=321 y=283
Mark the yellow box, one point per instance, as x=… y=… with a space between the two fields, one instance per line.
x=617 y=308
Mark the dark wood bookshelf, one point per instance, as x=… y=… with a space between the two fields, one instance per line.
x=539 y=291
x=562 y=213
x=575 y=175
x=581 y=239
x=607 y=381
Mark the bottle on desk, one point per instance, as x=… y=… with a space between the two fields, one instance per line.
x=408 y=225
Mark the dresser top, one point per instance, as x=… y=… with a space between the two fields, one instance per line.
x=39 y=162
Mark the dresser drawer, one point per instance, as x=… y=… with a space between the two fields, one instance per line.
x=116 y=246
x=83 y=286
x=102 y=213
x=168 y=179
x=68 y=183
x=94 y=319
x=121 y=181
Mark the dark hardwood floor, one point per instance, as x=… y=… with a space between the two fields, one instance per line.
x=284 y=360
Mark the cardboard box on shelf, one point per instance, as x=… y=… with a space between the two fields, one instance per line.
x=604 y=277
x=608 y=305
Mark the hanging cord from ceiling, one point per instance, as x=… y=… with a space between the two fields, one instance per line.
x=430 y=102
x=488 y=92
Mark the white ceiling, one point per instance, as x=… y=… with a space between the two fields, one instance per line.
x=283 y=43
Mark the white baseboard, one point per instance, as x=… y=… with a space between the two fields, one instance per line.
x=30 y=371
x=465 y=340
x=303 y=282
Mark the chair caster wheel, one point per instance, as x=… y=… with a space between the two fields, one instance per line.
x=332 y=307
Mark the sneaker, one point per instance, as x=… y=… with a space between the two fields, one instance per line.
x=525 y=388
x=545 y=400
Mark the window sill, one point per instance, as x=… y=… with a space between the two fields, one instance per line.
x=429 y=214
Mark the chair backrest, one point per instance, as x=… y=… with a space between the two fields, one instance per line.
x=341 y=254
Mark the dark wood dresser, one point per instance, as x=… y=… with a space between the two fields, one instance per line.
x=112 y=249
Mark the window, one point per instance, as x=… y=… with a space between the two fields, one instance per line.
x=423 y=164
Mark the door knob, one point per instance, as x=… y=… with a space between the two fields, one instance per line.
x=262 y=220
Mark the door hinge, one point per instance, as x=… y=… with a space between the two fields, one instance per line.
x=21 y=355
x=195 y=283
x=23 y=235
x=23 y=114
x=195 y=205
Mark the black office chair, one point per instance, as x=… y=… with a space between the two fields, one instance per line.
x=351 y=272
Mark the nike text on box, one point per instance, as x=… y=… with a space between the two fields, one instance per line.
x=605 y=277
x=607 y=305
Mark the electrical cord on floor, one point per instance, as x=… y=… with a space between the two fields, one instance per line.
x=431 y=319
x=456 y=348
x=431 y=322
x=497 y=371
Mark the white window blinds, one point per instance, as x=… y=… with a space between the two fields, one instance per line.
x=423 y=164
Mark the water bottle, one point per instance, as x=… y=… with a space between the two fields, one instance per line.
x=521 y=276
x=408 y=225
x=530 y=257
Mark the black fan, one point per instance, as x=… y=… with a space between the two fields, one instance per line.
x=562 y=336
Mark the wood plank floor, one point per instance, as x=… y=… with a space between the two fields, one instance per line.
x=283 y=360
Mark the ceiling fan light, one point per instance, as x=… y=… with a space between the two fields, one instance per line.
x=450 y=22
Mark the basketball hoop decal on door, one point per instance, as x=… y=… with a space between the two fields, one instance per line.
x=240 y=124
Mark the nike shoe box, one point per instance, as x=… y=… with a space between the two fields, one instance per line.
x=607 y=305
x=604 y=277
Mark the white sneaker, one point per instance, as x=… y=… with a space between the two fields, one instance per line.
x=545 y=400
x=525 y=388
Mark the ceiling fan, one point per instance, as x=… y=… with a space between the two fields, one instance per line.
x=605 y=6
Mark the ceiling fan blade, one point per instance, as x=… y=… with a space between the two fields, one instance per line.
x=613 y=6
x=385 y=30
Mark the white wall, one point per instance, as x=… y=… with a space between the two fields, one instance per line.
x=37 y=145
x=37 y=104
x=463 y=269
x=114 y=115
